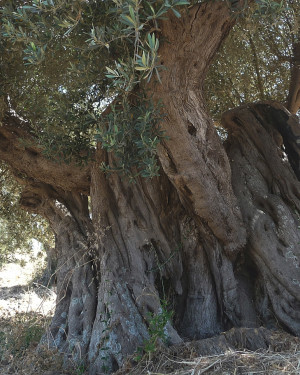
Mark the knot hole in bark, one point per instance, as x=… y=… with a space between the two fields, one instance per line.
x=192 y=130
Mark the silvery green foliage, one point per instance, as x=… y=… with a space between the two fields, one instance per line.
x=91 y=53
x=76 y=57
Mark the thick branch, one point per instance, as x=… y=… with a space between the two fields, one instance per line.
x=194 y=158
x=293 y=101
x=30 y=161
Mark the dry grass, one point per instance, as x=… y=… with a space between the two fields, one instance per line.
x=19 y=337
x=21 y=334
x=234 y=362
x=231 y=362
x=25 y=313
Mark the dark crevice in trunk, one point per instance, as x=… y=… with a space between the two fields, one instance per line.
x=216 y=234
x=268 y=198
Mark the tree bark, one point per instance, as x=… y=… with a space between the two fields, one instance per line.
x=216 y=235
x=293 y=100
x=18 y=148
x=268 y=193
x=194 y=144
x=148 y=246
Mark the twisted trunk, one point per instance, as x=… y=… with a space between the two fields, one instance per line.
x=268 y=194
x=216 y=235
x=145 y=245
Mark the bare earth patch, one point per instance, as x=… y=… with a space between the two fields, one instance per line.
x=25 y=311
x=17 y=295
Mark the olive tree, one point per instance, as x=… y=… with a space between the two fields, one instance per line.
x=105 y=123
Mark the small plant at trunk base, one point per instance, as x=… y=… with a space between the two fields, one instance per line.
x=80 y=370
x=157 y=330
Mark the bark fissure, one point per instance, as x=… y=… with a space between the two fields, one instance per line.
x=184 y=106
x=269 y=212
x=216 y=234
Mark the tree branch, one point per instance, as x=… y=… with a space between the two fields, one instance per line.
x=194 y=144
x=29 y=161
x=293 y=100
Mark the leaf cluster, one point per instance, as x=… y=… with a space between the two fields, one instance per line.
x=74 y=57
x=132 y=135
x=62 y=62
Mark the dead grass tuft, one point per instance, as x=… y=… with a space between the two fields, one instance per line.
x=231 y=362
x=19 y=337
x=283 y=358
x=21 y=334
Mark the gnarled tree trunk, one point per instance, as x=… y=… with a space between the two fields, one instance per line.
x=149 y=246
x=268 y=194
x=216 y=235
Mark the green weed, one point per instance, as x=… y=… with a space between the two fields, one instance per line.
x=157 y=330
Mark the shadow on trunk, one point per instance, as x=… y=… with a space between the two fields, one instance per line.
x=145 y=247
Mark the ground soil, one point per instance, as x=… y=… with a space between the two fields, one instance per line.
x=26 y=307
x=20 y=294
